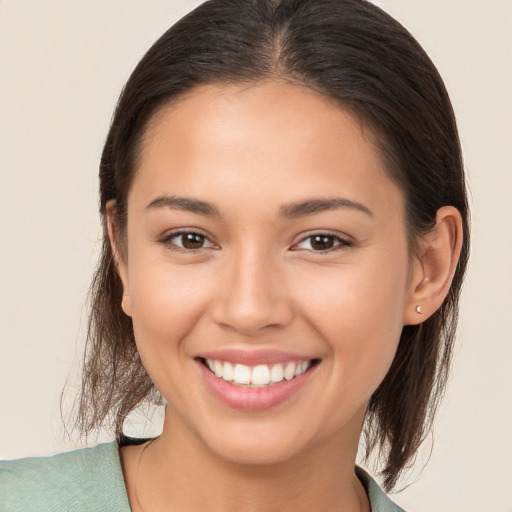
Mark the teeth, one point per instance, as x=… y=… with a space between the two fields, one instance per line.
x=228 y=372
x=242 y=374
x=276 y=373
x=289 y=371
x=258 y=376
x=218 y=368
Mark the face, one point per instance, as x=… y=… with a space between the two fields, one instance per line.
x=267 y=269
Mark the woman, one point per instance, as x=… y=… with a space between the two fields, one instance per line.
x=285 y=237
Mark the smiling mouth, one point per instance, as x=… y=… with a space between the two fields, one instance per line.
x=259 y=376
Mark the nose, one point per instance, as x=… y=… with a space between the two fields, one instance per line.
x=253 y=294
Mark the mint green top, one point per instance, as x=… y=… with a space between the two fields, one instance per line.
x=91 y=479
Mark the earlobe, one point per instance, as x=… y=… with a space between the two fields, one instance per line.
x=117 y=253
x=435 y=266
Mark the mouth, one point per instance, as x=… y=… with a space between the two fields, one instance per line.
x=257 y=376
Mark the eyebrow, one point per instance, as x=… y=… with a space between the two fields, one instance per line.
x=288 y=211
x=313 y=206
x=186 y=204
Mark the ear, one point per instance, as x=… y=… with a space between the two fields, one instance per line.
x=119 y=259
x=434 y=266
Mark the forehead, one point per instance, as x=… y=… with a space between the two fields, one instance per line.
x=275 y=139
x=288 y=109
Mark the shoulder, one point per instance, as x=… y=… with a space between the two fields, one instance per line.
x=378 y=499
x=82 y=480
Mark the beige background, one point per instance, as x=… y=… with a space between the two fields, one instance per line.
x=62 y=65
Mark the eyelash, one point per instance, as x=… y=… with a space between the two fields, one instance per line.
x=342 y=243
x=168 y=241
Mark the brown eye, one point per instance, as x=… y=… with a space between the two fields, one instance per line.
x=192 y=240
x=323 y=242
x=188 y=241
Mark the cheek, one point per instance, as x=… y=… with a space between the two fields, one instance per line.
x=358 y=311
x=167 y=304
x=166 y=301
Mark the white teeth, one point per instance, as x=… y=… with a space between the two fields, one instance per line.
x=218 y=368
x=242 y=374
x=276 y=373
x=260 y=375
x=227 y=371
x=289 y=371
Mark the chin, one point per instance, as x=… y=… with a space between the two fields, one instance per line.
x=263 y=444
x=256 y=453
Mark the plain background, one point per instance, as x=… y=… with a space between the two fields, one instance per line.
x=62 y=66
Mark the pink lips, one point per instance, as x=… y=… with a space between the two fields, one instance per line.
x=247 y=398
x=253 y=357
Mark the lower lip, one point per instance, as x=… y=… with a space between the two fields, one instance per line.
x=253 y=399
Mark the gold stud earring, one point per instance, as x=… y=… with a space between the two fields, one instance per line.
x=418 y=309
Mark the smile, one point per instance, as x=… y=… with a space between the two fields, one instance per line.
x=261 y=375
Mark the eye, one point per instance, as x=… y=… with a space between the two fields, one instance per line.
x=188 y=241
x=323 y=242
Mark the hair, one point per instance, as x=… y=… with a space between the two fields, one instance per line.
x=355 y=54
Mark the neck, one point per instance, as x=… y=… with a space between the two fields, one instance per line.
x=178 y=472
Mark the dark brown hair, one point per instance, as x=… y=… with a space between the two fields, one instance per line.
x=365 y=61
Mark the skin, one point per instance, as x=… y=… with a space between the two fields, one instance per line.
x=258 y=282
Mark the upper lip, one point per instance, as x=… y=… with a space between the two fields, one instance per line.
x=253 y=357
